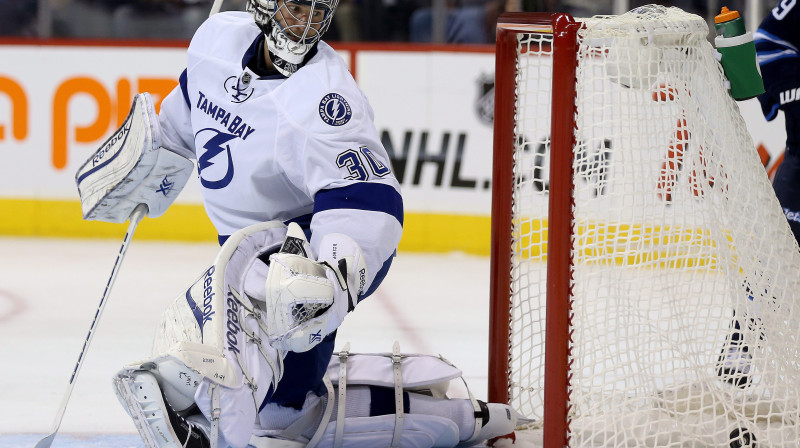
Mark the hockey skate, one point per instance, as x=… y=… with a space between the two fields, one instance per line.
x=734 y=364
x=735 y=359
x=498 y=421
x=157 y=422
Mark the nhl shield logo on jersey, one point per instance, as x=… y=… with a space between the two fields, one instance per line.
x=335 y=110
x=239 y=87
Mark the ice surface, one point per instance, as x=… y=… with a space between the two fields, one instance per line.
x=50 y=290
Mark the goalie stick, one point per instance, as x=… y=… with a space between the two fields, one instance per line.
x=215 y=7
x=136 y=216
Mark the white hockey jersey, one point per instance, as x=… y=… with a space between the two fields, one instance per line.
x=302 y=148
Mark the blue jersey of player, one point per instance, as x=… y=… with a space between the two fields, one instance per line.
x=777 y=41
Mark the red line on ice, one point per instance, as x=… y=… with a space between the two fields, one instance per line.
x=403 y=323
x=16 y=308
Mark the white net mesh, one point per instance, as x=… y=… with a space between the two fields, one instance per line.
x=681 y=252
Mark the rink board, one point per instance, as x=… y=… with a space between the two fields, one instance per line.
x=436 y=125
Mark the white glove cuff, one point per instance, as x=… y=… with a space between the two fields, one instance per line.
x=337 y=246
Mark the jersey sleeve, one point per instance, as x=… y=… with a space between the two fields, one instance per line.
x=175 y=120
x=335 y=156
x=355 y=193
x=370 y=213
x=777 y=40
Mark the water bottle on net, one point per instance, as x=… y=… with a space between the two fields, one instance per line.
x=738 y=55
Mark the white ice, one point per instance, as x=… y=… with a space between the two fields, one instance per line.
x=50 y=290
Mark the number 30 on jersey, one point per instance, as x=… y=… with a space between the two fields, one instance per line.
x=353 y=161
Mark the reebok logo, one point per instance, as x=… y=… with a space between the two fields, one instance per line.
x=116 y=138
x=362 y=280
x=315 y=337
x=233 y=323
x=208 y=296
x=787 y=96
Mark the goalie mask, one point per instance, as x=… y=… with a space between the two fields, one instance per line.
x=292 y=28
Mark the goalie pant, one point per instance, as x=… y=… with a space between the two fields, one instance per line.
x=373 y=400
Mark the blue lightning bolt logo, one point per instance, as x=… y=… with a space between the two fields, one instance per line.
x=214 y=146
x=335 y=110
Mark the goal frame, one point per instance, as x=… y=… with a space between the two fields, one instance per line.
x=564 y=30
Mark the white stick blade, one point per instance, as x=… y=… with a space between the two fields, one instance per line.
x=46 y=442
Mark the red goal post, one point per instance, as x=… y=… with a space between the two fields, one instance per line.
x=563 y=29
x=644 y=280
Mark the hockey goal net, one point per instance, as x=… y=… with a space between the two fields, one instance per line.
x=645 y=282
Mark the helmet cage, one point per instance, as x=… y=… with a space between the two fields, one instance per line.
x=303 y=22
x=292 y=27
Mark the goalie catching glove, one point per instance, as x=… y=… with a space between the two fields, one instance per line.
x=307 y=299
x=132 y=168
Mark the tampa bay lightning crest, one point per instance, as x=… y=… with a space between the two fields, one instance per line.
x=335 y=110
x=215 y=171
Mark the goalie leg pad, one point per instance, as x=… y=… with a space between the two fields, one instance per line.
x=419 y=431
x=417 y=411
x=159 y=425
x=184 y=318
x=217 y=356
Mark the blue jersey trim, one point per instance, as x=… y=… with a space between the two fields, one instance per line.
x=251 y=51
x=786 y=56
x=781 y=50
x=764 y=59
x=773 y=38
x=362 y=196
x=773 y=112
x=183 y=80
x=304 y=221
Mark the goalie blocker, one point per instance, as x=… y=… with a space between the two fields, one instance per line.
x=132 y=168
x=214 y=370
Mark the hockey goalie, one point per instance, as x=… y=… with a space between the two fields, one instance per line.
x=219 y=356
x=297 y=183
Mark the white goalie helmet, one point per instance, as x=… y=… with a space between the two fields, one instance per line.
x=292 y=28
